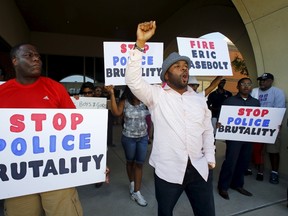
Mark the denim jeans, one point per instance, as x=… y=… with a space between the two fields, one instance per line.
x=135 y=148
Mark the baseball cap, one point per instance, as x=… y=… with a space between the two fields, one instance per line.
x=265 y=76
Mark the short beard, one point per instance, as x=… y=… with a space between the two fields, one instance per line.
x=176 y=82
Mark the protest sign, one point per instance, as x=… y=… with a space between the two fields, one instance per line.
x=208 y=57
x=90 y=102
x=253 y=124
x=116 y=56
x=49 y=149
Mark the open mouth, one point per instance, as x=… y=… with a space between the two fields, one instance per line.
x=185 y=77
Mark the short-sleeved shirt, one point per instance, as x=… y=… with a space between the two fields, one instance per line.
x=272 y=97
x=135 y=125
x=44 y=93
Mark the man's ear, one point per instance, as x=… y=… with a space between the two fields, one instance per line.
x=166 y=76
x=14 y=61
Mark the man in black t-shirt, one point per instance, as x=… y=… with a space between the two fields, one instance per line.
x=215 y=100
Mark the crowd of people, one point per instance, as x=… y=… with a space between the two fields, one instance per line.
x=183 y=151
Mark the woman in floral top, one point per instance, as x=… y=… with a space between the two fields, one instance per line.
x=134 y=137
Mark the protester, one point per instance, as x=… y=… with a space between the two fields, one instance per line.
x=269 y=96
x=215 y=100
x=183 y=153
x=30 y=90
x=238 y=153
x=194 y=84
x=87 y=89
x=98 y=91
x=134 y=138
x=215 y=82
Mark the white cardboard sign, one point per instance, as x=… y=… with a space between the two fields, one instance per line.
x=49 y=149
x=116 y=57
x=253 y=124
x=208 y=57
x=90 y=102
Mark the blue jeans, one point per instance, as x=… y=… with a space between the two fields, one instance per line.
x=198 y=191
x=135 y=148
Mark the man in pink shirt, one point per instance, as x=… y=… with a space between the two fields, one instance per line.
x=183 y=153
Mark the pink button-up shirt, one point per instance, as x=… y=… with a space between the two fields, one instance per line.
x=182 y=125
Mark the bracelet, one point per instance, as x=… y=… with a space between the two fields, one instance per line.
x=138 y=48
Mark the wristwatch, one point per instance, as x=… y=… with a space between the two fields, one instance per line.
x=138 y=48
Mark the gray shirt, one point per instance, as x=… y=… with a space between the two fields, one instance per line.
x=135 y=125
x=272 y=97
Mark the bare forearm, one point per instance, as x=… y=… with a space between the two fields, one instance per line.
x=114 y=107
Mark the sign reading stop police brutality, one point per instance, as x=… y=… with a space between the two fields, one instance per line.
x=49 y=149
x=208 y=57
x=255 y=124
x=116 y=57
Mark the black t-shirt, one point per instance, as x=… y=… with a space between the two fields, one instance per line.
x=215 y=100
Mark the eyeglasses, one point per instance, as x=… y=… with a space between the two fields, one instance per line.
x=87 y=93
x=246 y=84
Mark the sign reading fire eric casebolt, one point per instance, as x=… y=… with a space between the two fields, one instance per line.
x=208 y=57
x=49 y=149
x=253 y=124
